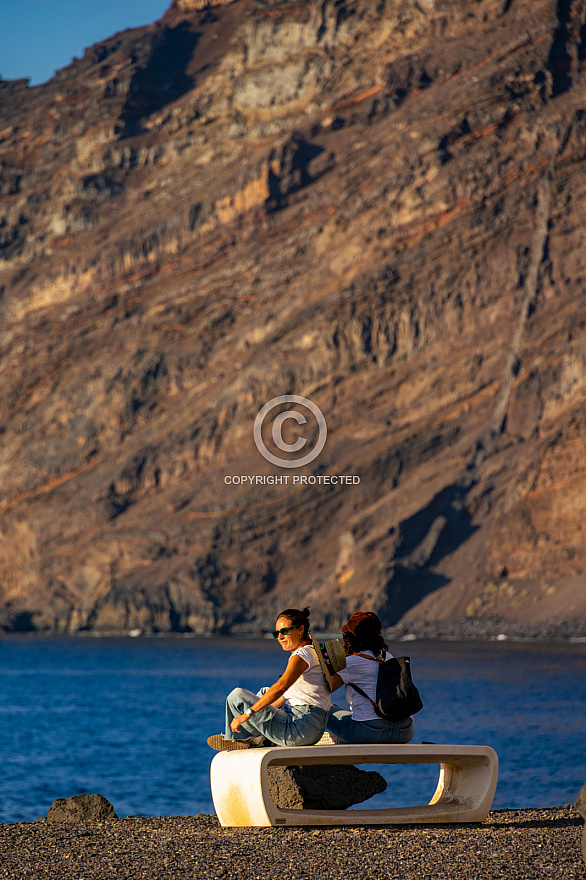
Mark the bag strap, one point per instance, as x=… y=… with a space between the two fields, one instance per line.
x=360 y=691
x=367 y=657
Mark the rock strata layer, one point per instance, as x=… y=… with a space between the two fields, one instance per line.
x=377 y=206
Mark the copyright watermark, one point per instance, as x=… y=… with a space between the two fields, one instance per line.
x=286 y=480
x=308 y=418
x=290 y=431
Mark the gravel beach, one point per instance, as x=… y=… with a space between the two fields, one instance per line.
x=512 y=844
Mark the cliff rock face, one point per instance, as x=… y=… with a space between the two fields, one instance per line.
x=377 y=206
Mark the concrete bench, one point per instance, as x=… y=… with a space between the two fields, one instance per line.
x=464 y=791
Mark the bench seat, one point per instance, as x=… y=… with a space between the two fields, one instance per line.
x=464 y=792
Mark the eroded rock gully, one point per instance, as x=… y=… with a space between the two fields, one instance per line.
x=378 y=206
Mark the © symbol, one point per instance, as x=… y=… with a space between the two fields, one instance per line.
x=278 y=428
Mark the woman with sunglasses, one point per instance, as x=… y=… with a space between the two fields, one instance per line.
x=294 y=710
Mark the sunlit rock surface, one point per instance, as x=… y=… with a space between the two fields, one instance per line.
x=377 y=206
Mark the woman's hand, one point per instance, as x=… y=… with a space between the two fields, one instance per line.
x=236 y=722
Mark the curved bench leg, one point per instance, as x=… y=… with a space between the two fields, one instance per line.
x=471 y=783
x=239 y=791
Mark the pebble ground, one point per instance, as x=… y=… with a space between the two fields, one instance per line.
x=510 y=844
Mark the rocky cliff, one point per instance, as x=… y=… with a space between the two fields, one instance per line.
x=379 y=206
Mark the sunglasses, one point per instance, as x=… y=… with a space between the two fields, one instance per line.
x=283 y=632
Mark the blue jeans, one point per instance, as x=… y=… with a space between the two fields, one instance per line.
x=379 y=730
x=288 y=726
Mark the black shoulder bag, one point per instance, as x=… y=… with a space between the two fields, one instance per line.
x=396 y=695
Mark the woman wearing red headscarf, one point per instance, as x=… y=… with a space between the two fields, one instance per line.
x=364 y=646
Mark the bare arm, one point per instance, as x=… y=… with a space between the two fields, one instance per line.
x=337 y=681
x=295 y=668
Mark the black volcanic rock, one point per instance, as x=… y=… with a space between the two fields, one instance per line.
x=322 y=786
x=81 y=808
x=580 y=806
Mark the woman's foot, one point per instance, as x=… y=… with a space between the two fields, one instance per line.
x=219 y=742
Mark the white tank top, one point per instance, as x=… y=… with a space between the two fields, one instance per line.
x=311 y=688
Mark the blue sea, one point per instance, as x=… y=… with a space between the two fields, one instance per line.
x=129 y=718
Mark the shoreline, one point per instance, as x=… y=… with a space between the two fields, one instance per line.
x=562 y=631
x=514 y=844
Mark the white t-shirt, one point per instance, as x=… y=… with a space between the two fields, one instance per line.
x=364 y=673
x=311 y=688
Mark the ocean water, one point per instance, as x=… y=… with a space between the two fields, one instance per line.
x=129 y=718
